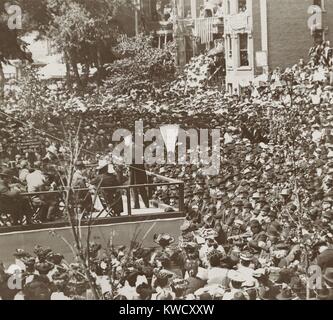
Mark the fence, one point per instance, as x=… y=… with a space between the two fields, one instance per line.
x=97 y=206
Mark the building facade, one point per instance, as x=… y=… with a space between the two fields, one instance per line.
x=261 y=35
x=193 y=24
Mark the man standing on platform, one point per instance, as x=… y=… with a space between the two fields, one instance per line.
x=105 y=179
x=138 y=175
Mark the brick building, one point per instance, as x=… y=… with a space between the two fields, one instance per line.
x=258 y=35
x=261 y=35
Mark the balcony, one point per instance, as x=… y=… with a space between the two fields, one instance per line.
x=202 y=28
x=205 y=28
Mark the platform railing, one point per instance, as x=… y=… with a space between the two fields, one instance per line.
x=93 y=205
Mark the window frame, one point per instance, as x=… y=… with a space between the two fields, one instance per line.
x=229 y=46
x=246 y=36
x=238 y=7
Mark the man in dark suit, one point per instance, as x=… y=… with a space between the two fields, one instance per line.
x=11 y=201
x=138 y=175
x=113 y=197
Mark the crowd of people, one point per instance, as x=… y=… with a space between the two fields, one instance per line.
x=250 y=233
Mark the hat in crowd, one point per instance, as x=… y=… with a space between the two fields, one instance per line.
x=254 y=223
x=55 y=258
x=246 y=256
x=285 y=192
x=29 y=261
x=296 y=283
x=44 y=267
x=209 y=233
x=258 y=273
x=210 y=292
x=266 y=293
x=285 y=275
x=328 y=214
x=20 y=253
x=179 y=284
x=60 y=276
x=42 y=252
x=163 y=274
x=256 y=195
x=248 y=205
x=238 y=203
x=325 y=259
x=239 y=222
x=323 y=294
x=144 y=290
x=206 y=196
x=163 y=239
x=285 y=294
x=214 y=254
x=187 y=224
x=219 y=196
x=239 y=295
x=328 y=275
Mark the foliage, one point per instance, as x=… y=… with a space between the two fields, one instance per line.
x=11 y=47
x=142 y=67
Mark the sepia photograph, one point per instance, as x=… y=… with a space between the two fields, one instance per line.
x=174 y=150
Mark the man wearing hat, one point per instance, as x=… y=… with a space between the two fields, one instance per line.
x=83 y=199
x=138 y=176
x=11 y=202
x=286 y=293
x=258 y=237
x=236 y=281
x=244 y=267
x=216 y=274
x=193 y=280
x=106 y=179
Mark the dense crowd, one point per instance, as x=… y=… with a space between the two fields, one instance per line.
x=250 y=232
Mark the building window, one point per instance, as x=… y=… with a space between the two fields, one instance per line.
x=243 y=50
x=242 y=6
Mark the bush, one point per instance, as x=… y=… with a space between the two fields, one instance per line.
x=142 y=66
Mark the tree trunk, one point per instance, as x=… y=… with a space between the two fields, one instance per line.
x=68 y=70
x=2 y=82
x=86 y=71
x=99 y=65
x=76 y=73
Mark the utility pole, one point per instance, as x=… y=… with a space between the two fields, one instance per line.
x=179 y=33
x=137 y=8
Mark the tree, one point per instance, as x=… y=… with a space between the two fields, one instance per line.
x=141 y=66
x=83 y=30
x=11 y=47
